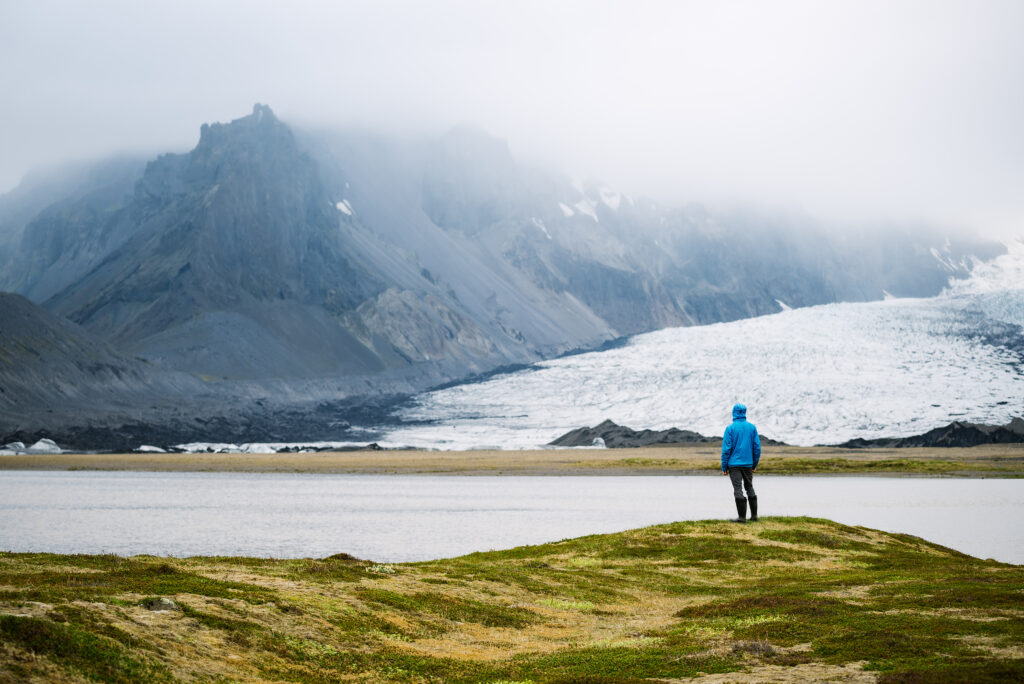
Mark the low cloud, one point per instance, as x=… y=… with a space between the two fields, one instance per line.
x=846 y=109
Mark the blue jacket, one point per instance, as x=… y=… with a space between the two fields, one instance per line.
x=740 y=445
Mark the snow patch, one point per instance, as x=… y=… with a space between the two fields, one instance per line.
x=783 y=305
x=149 y=449
x=344 y=207
x=1003 y=273
x=942 y=260
x=611 y=199
x=540 y=224
x=586 y=206
x=566 y=210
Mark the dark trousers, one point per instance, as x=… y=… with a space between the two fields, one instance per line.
x=742 y=478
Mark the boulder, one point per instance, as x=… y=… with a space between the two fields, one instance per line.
x=613 y=436
x=609 y=434
x=159 y=603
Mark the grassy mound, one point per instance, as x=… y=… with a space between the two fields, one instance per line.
x=786 y=599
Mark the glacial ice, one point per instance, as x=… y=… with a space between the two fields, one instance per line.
x=816 y=375
x=44 y=446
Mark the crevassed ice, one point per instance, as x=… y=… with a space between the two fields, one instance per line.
x=816 y=375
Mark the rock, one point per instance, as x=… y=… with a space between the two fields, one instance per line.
x=956 y=434
x=44 y=446
x=613 y=436
x=159 y=603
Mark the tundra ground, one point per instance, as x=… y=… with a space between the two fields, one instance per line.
x=786 y=599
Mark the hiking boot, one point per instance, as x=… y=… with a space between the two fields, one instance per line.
x=753 y=508
x=741 y=511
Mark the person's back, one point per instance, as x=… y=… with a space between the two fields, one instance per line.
x=741 y=452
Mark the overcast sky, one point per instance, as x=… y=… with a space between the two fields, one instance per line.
x=845 y=109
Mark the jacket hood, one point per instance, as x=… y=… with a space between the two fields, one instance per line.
x=739 y=412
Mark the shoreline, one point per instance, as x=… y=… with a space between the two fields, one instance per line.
x=1001 y=460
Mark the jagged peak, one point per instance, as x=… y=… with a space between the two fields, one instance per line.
x=263 y=113
x=262 y=117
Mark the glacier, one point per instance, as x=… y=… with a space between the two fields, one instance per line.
x=815 y=375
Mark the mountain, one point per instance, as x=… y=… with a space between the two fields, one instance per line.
x=318 y=265
x=61 y=382
x=232 y=265
x=478 y=220
x=54 y=225
x=48 y=365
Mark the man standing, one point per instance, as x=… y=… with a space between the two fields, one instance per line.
x=741 y=450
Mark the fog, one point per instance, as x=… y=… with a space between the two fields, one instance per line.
x=849 y=110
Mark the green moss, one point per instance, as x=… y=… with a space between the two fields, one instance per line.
x=450 y=608
x=811 y=537
x=689 y=549
x=333 y=569
x=135 y=575
x=72 y=647
x=978 y=672
x=739 y=596
x=792 y=466
x=618 y=665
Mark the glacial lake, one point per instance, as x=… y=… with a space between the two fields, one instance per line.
x=393 y=518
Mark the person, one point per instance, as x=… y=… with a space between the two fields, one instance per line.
x=741 y=451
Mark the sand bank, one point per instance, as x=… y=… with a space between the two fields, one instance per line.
x=981 y=461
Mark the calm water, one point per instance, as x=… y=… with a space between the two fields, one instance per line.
x=399 y=518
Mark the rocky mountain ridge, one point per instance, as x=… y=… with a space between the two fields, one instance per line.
x=323 y=265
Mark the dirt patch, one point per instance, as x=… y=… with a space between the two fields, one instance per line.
x=852 y=673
